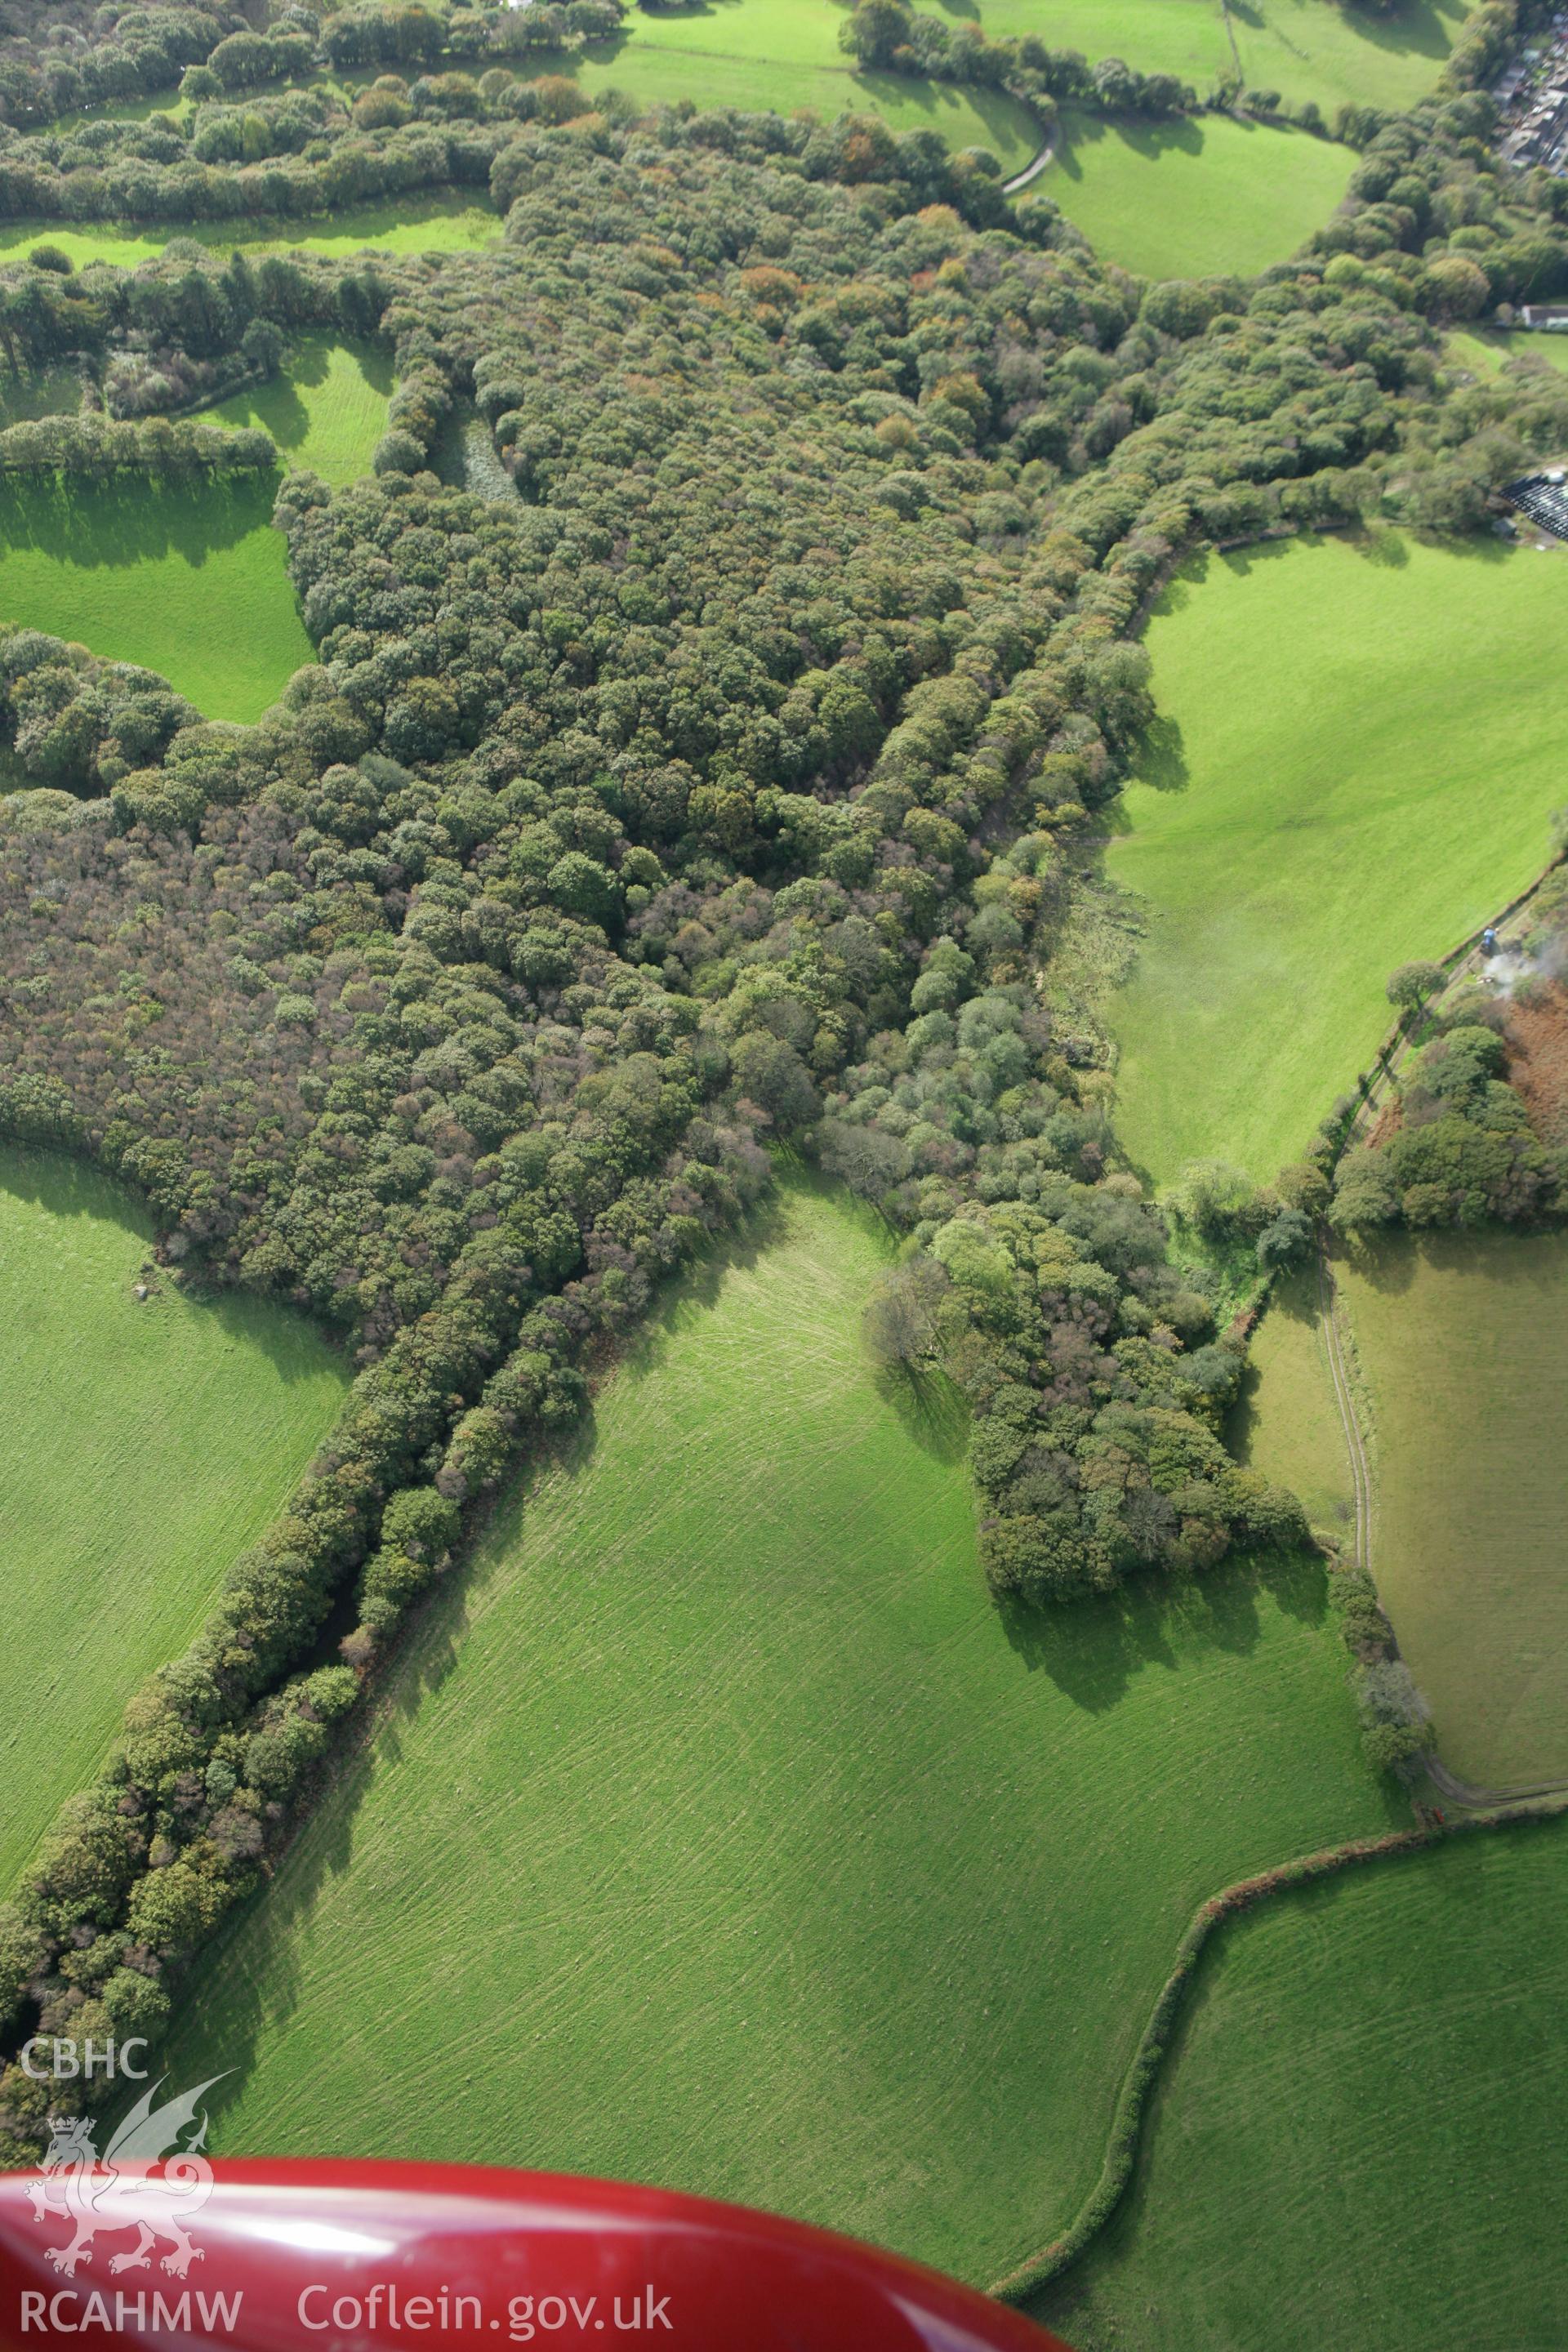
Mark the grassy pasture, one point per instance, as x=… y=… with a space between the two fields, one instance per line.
x=326 y=410
x=1201 y=196
x=778 y=56
x=442 y=222
x=1133 y=189
x=184 y=577
x=1355 y=756
x=1463 y=1346
x=1286 y=1423
x=146 y=1444
x=1303 y=48
x=719 y=1833
x=1357 y=2139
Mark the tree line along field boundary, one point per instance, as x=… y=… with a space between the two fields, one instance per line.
x=1371 y=1083
x=1045 y=2266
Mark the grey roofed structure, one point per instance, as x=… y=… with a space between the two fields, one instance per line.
x=1544 y=499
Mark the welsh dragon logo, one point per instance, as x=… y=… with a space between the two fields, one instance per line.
x=96 y=2193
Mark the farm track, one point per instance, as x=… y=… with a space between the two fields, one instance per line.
x=1361 y=1470
x=1030 y=171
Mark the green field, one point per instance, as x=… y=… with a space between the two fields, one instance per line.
x=327 y=410
x=785 y=52
x=1287 y=1424
x=719 y=1834
x=782 y=56
x=1358 y=2138
x=1201 y=196
x=1302 y=48
x=146 y=1444
x=424 y=222
x=186 y=578
x=1357 y=750
x=1463 y=1344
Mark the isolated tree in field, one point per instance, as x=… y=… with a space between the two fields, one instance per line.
x=1413 y=984
x=900 y=1315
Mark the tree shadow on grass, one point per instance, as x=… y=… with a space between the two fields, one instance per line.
x=1092 y=1650
x=1003 y=116
x=930 y=1409
x=1161 y=759
x=680 y=12
x=1415 y=29
x=69 y=1187
x=276 y=408
x=40 y=391
x=1387 y=1263
x=1078 y=135
x=1292 y=1300
x=126 y=520
x=276 y=405
x=1388 y=549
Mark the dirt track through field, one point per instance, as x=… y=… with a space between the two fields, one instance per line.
x=1360 y=1473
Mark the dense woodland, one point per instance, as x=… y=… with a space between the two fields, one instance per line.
x=68 y=54
x=717 y=790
